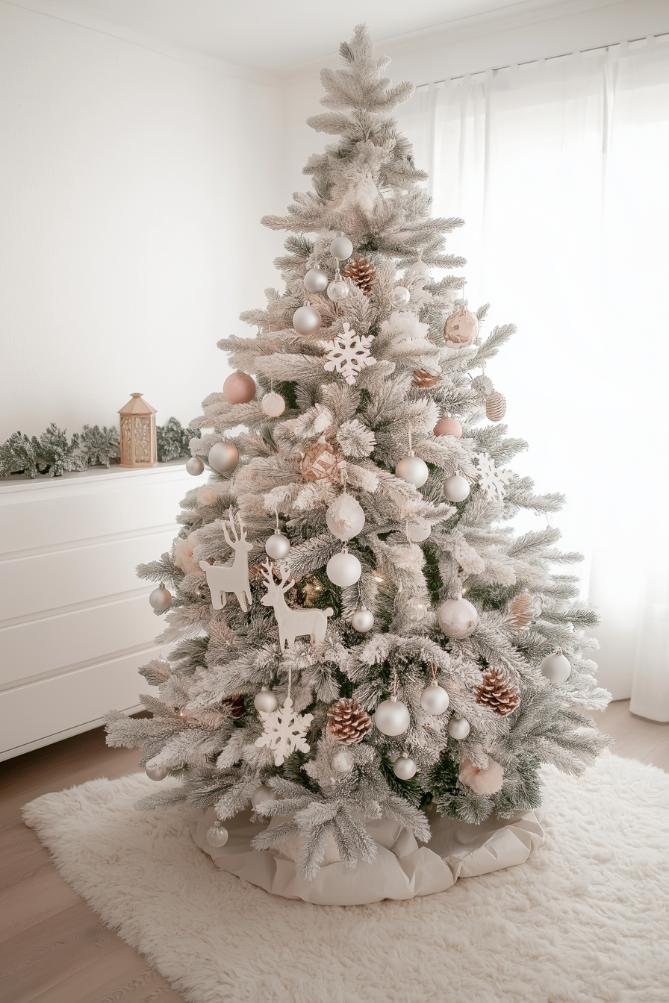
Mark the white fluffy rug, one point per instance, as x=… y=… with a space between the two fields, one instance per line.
x=585 y=920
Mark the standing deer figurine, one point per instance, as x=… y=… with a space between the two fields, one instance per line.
x=224 y=578
x=292 y=623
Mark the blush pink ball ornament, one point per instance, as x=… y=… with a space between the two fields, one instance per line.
x=239 y=388
x=448 y=426
x=482 y=781
x=458 y=618
x=273 y=404
x=194 y=466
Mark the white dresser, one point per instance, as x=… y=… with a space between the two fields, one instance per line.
x=75 y=622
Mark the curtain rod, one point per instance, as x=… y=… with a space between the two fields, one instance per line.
x=546 y=59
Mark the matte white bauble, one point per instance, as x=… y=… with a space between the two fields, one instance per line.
x=456 y=488
x=405 y=768
x=392 y=717
x=156 y=772
x=273 y=404
x=341 y=248
x=343 y=570
x=413 y=470
x=459 y=728
x=262 y=796
x=556 y=668
x=305 y=319
x=217 y=835
x=277 y=546
x=338 y=290
x=434 y=699
x=418 y=532
x=362 y=620
x=400 y=296
x=194 y=466
x=223 y=457
x=160 y=599
x=315 y=281
x=345 y=517
x=265 y=701
x=457 y=618
x=342 y=761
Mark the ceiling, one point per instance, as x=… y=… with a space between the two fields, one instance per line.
x=270 y=35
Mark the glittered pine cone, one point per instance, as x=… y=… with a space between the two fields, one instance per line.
x=496 y=692
x=362 y=272
x=495 y=406
x=521 y=609
x=348 y=722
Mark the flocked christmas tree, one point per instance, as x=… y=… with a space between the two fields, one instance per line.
x=359 y=631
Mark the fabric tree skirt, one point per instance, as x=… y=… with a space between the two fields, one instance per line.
x=584 y=919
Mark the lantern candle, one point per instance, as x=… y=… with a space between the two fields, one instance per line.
x=138 y=433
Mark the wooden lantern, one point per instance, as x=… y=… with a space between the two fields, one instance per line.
x=138 y=433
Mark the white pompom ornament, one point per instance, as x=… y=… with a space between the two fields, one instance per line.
x=413 y=470
x=458 y=618
x=456 y=488
x=265 y=701
x=156 y=772
x=434 y=699
x=345 y=517
x=343 y=570
x=342 y=761
x=194 y=466
x=405 y=768
x=338 y=290
x=362 y=620
x=273 y=404
x=160 y=599
x=341 y=248
x=392 y=717
x=223 y=457
x=217 y=835
x=239 y=388
x=315 y=281
x=459 y=728
x=556 y=668
x=305 y=319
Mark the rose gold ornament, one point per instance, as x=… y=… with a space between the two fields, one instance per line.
x=239 y=388
x=424 y=379
x=461 y=328
x=321 y=462
x=448 y=426
x=495 y=406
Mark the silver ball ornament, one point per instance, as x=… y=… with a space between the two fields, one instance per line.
x=413 y=470
x=434 y=699
x=556 y=668
x=273 y=405
x=338 y=290
x=160 y=599
x=194 y=466
x=392 y=717
x=345 y=517
x=343 y=570
x=277 y=546
x=362 y=620
x=459 y=728
x=341 y=248
x=315 y=281
x=262 y=796
x=265 y=701
x=217 y=835
x=342 y=761
x=223 y=457
x=405 y=768
x=400 y=296
x=156 y=772
x=458 y=618
x=305 y=319
x=456 y=488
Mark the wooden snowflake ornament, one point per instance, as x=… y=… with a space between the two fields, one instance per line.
x=348 y=354
x=284 y=731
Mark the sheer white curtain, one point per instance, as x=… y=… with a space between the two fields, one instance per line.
x=561 y=172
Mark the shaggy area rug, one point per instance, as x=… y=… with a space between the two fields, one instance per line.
x=585 y=919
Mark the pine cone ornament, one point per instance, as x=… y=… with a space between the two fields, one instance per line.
x=521 y=609
x=495 y=406
x=424 y=379
x=496 y=691
x=348 y=722
x=321 y=461
x=362 y=272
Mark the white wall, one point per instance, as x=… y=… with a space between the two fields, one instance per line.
x=131 y=187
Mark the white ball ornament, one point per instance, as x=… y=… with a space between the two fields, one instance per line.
x=262 y=796
x=345 y=517
x=156 y=772
x=338 y=290
x=277 y=546
x=265 y=701
x=434 y=699
x=315 y=281
x=418 y=532
x=273 y=405
x=342 y=761
x=413 y=470
x=405 y=768
x=458 y=618
x=305 y=319
x=456 y=488
x=223 y=457
x=392 y=717
x=343 y=570
x=362 y=620
x=194 y=466
x=341 y=248
x=160 y=599
x=400 y=296
x=556 y=668
x=459 y=728
x=217 y=835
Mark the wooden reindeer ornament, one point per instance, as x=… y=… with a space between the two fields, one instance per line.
x=224 y=578
x=292 y=623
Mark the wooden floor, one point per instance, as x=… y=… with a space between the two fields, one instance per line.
x=52 y=947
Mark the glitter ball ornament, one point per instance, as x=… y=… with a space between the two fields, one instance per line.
x=456 y=488
x=362 y=620
x=413 y=470
x=345 y=517
x=263 y=795
x=321 y=461
x=556 y=668
x=405 y=768
x=461 y=328
x=338 y=290
x=497 y=692
x=315 y=281
x=521 y=609
x=423 y=379
x=341 y=248
x=495 y=406
x=361 y=272
x=156 y=772
x=343 y=570
x=160 y=599
x=265 y=701
x=392 y=717
x=434 y=699
x=348 y=722
x=448 y=426
x=273 y=405
x=223 y=457
x=400 y=296
x=194 y=466
x=342 y=761
x=459 y=728
x=458 y=618
x=239 y=388
x=305 y=319
x=277 y=546
x=217 y=835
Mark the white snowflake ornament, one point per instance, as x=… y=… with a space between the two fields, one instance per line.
x=348 y=354
x=284 y=731
x=491 y=479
